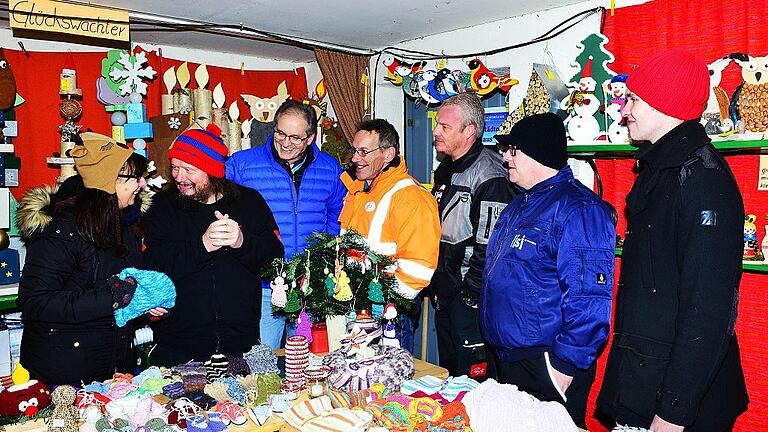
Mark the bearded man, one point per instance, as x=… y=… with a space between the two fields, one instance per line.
x=212 y=238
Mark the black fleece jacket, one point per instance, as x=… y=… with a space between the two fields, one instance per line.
x=218 y=303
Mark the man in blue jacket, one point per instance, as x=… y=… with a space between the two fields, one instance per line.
x=301 y=185
x=545 y=304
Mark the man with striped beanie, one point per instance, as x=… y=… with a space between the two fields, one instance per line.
x=211 y=237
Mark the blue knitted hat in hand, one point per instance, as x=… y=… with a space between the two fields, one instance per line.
x=153 y=289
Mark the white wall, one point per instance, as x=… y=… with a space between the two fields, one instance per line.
x=559 y=52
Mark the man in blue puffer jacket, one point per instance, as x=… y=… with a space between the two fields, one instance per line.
x=545 y=304
x=301 y=185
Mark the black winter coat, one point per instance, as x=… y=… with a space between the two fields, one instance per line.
x=70 y=335
x=674 y=352
x=218 y=294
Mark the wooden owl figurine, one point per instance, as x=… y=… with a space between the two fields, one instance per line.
x=750 y=100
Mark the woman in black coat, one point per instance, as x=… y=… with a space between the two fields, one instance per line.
x=78 y=238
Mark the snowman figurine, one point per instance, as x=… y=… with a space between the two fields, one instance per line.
x=617 y=130
x=582 y=124
x=583 y=105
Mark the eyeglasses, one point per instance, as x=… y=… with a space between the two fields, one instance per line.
x=362 y=152
x=502 y=148
x=293 y=139
x=136 y=177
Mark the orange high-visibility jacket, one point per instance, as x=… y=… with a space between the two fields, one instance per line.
x=399 y=218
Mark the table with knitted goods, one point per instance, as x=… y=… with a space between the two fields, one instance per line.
x=273 y=424
x=449 y=407
x=276 y=423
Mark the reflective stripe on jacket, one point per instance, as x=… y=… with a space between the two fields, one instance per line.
x=399 y=218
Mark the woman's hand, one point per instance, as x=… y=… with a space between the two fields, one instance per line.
x=157 y=312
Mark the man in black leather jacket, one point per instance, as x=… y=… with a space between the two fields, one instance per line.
x=471 y=189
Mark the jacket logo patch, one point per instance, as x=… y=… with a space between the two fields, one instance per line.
x=519 y=241
x=708 y=218
x=601 y=279
x=370 y=206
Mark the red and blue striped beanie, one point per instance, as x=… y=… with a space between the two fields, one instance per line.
x=202 y=148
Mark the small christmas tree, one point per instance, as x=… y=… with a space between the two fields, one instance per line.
x=593 y=48
x=344 y=273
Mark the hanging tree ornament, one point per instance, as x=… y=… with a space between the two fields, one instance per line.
x=304 y=325
x=292 y=304
x=375 y=293
x=338 y=270
x=343 y=291
x=351 y=316
x=330 y=284
x=279 y=292
x=390 y=312
x=377 y=310
x=304 y=286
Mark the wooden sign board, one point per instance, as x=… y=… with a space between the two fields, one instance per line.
x=70 y=19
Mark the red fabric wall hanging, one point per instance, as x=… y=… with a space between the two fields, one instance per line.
x=37 y=78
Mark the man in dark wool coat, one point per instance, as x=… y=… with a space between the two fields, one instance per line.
x=674 y=362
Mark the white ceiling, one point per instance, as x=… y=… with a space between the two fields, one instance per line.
x=368 y=24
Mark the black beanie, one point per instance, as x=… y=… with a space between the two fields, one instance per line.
x=540 y=136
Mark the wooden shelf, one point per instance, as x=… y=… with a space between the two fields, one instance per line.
x=757 y=267
x=608 y=150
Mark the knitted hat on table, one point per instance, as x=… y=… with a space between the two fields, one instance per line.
x=674 y=82
x=203 y=149
x=99 y=160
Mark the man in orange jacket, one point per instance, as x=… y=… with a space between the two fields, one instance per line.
x=396 y=215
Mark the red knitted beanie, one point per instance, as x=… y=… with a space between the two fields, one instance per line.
x=202 y=148
x=674 y=82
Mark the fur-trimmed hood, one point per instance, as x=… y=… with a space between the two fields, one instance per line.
x=35 y=208
x=33 y=214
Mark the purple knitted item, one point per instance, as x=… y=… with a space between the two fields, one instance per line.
x=237 y=366
x=174 y=390
x=193 y=374
x=389 y=366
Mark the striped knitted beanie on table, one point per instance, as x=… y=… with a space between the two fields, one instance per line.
x=203 y=149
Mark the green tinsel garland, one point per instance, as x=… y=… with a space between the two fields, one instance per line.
x=7 y=421
x=321 y=255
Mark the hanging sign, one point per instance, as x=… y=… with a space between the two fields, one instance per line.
x=493 y=119
x=68 y=18
x=762 y=183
